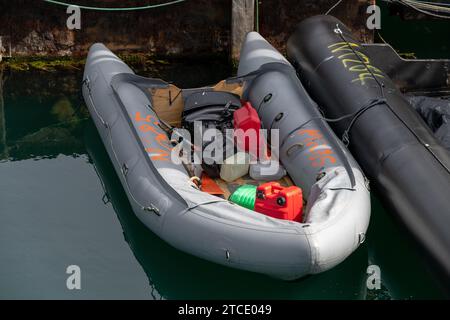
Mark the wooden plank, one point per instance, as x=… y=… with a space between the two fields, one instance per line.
x=169 y=103
x=235 y=88
x=242 y=22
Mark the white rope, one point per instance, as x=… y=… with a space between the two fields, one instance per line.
x=334 y=6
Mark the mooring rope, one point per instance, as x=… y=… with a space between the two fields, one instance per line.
x=150 y=6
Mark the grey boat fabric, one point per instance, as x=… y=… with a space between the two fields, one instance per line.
x=168 y=203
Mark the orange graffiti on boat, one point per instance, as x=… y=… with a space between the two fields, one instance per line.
x=151 y=126
x=318 y=156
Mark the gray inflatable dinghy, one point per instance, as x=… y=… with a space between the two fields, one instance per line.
x=129 y=111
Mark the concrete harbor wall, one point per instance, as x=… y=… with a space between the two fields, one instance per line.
x=188 y=29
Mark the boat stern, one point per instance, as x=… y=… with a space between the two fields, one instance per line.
x=255 y=52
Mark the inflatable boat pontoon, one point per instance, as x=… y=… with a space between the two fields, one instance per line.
x=409 y=167
x=131 y=113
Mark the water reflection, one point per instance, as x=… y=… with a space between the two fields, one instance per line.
x=43 y=117
x=405 y=272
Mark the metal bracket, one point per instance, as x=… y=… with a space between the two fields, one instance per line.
x=152 y=208
x=124 y=169
x=367 y=183
x=106 y=199
x=87 y=83
x=361 y=237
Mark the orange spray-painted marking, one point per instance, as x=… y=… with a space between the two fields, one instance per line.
x=151 y=126
x=318 y=157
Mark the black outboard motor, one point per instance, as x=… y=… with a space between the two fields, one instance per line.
x=393 y=145
x=213 y=109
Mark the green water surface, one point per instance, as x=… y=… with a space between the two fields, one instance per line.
x=54 y=173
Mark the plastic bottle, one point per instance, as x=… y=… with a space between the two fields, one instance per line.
x=235 y=166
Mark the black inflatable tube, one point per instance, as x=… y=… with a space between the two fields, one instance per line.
x=398 y=152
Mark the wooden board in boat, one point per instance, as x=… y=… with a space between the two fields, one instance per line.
x=168 y=102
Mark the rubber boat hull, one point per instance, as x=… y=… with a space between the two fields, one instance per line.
x=164 y=198
x=393 y=145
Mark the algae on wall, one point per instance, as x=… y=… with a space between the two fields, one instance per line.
x=138 y=61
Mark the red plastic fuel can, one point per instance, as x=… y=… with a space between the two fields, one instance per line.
x=246 y=118
x=279 y=202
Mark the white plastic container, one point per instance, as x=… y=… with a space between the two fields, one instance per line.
x=235 y=166
x=270 y=171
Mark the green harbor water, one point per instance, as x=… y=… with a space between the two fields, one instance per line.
x=54 y=173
